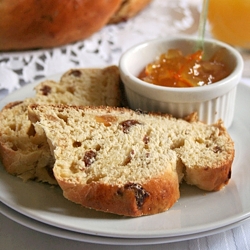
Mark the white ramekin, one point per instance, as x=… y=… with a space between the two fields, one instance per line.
x=211 y=102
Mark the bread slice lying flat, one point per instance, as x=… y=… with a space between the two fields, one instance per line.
x=130 y=163
x=23 y=150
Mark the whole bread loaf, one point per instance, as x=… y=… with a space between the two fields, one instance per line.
x=24 y=150
x=29 y=24
x=130 y=163
x=128 y=9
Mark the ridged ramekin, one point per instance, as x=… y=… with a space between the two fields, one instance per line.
x=211 y=102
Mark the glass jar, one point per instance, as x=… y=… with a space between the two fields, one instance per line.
x=229 y=21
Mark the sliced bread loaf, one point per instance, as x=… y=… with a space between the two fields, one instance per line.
x=130 y=163
x=23 y=148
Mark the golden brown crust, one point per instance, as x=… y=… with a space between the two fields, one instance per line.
x=26 y=24
x=128 y=9
x=30 y=24
x=210 y=179
x=12 y=104
x=162 y=192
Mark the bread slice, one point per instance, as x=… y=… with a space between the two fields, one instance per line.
x=23 y=149
x=130 y=163
x=87 y=86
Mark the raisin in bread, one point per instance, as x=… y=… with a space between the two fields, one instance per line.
x=23 y=148
x=130 y=163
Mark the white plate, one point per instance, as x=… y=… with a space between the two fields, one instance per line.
x=66 y=234
x=196 y=212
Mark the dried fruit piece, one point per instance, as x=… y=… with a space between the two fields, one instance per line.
x=129 y=158
x=127 y=124
x=217 y=149
x=77 y=144
x=107 y=120
x=89 y=158
x=140 y=193
x=46 y=90
x=146 y=139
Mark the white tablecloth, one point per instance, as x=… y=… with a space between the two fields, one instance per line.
x=161 y=18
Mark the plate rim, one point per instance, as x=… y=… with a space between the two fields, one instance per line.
x=71 y=235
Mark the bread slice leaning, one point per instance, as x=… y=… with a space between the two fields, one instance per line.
x=130 y=163
x=23 y=148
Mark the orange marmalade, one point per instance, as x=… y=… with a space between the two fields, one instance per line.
x=173 y=69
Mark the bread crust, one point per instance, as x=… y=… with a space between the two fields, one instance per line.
x=210 y=179
x=128 y=9
x=26 y=24
x=217 y=173
x=30 y=24
x=163 y=192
